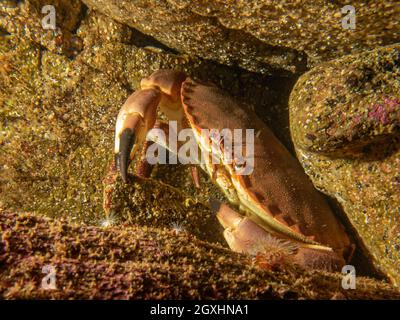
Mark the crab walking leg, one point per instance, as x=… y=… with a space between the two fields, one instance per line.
x=195 y=176
x=143 y=168
x=242 y=234
x=138 y=114
x=245 y=236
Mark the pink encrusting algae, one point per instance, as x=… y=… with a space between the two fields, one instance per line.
x=383 y=112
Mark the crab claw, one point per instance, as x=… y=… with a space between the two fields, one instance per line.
x=138 y=114
x=241 y=233
x=244 y=235
x=136 y=117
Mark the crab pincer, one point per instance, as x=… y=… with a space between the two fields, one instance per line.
x=138 y=114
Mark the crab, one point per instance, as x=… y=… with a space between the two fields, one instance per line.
x=275 y=210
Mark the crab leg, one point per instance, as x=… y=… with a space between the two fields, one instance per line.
x=138 y=114
x=240 y=232
x=195 y=176
x=143 y=169
x=245 y=236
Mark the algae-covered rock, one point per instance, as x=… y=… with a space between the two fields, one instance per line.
x=345 y=124
x=54 y=142
x=149 y=202
x=147 y=263
x=25 y=18
x=259 y=35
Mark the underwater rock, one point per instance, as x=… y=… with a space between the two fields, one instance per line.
x=261 y=36
x=149 y=202
x=129 y=262
x=345 y=125
x=25 y=18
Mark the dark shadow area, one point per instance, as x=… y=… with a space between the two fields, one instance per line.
x=361 y=259
x=142 y=40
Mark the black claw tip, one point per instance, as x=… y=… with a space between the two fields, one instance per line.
x=215 y=205
x=122 y=159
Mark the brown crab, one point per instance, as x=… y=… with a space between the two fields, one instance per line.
x=279 y=212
